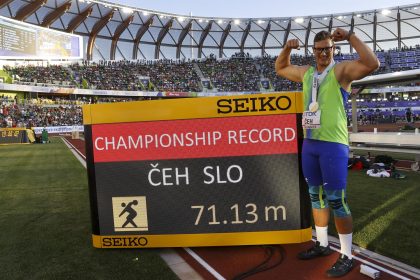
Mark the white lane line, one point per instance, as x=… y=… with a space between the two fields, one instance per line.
x=178 y=265
x=372 y=264
x=204 y=264
x=211 y=270
x=76 y=153
x=71 y=146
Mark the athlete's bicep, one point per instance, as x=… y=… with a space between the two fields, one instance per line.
x=353 y=70
x=293 y=73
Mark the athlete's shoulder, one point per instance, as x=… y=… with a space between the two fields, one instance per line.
x=307 y=69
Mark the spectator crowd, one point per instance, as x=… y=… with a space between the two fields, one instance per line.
x=31 y=114
x=239 y=73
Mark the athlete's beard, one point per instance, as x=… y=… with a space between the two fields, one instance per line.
x=323 y=62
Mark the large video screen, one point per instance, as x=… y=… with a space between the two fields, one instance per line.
x=19 y=40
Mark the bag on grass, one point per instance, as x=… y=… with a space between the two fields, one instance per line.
x=384 y=159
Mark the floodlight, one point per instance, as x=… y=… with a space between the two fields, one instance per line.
x=127 y=10
x=385 y=12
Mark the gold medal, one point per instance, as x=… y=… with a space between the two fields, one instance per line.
x=313 y=107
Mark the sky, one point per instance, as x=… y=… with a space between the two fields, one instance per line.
x=261 y=8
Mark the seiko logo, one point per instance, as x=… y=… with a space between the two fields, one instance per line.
x=124 y=242
x=253 y=104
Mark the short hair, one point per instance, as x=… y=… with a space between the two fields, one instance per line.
x=322 y=35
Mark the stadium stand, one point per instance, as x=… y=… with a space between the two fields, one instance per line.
x=27 y=116
x=165 y=75
x=235 y=74
x=133 y=54
x=220 y=64
x=41 y=75
x=239 y=73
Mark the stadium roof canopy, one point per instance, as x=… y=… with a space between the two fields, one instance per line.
x=114 y=31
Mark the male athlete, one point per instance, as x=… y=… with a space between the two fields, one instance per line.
x=326 y=88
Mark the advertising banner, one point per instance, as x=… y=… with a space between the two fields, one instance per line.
x=58 y=129
x=14 y=136
x=197 y=172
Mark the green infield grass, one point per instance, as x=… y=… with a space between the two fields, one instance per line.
x=386 y=211
x=45 y=221
x=386 y=214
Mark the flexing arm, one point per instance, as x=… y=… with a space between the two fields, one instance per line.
x=349 y=71
x=283 y=66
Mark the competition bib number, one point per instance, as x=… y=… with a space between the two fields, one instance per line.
x=311 y=120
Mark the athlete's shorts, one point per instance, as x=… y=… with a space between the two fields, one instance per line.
x=325 y=163
x=325 y=169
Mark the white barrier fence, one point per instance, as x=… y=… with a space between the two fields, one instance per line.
x=59 y=129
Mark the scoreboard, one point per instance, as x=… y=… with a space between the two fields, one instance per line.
x=197 y=172
x=20 y=40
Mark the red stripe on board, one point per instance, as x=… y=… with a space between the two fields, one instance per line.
x=198 y=138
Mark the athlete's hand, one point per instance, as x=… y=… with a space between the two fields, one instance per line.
x=340 y=35
x=293 y=44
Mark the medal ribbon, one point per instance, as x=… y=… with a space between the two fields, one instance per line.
x=318 y=79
